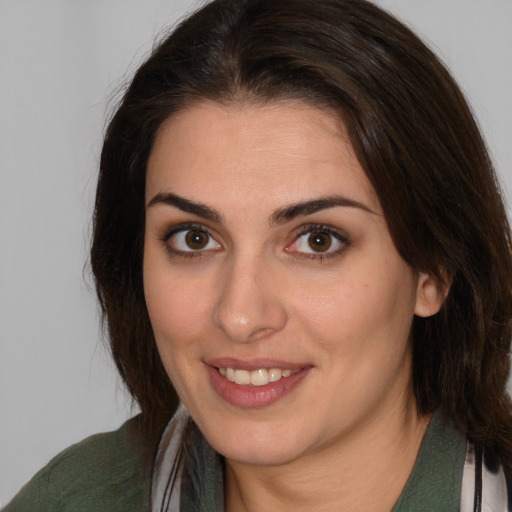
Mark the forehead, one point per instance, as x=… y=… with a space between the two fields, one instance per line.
x=284 y=151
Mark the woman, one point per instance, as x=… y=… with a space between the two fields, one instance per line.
x=299 y=236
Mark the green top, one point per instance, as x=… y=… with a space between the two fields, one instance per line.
x=436 y=480
x=106 y=473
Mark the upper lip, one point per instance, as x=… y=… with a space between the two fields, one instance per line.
x=253 y=364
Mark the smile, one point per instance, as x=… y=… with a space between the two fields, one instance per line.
x=260 y=377
x=255 y=384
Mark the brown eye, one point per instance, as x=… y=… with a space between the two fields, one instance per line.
x=319 y=241
x=192 y=240
x=196 y=240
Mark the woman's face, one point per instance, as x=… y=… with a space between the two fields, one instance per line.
x=280 y=306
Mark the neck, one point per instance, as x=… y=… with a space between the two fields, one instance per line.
x=367 y=470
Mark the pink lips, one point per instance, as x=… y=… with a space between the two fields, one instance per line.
x=254 y=396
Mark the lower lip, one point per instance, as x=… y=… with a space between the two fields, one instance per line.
x=254 y=396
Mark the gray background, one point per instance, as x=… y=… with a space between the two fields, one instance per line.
x=61 y=64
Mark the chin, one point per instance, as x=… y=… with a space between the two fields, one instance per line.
x=254 y=445
x=258 y=455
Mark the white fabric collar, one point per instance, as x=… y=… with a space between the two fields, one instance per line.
x=167 y=472
x=485 y=493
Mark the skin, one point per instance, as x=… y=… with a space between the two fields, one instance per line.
x=347 y=435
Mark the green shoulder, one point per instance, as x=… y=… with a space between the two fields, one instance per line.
x=105 y=472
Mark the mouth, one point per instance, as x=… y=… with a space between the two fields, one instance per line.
x=259 y=377
x=255 y=384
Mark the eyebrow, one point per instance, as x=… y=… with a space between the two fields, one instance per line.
x=315 y=205
x=280 y=216
x=185 y=205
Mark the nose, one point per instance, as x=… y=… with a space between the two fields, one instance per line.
x=249 y=305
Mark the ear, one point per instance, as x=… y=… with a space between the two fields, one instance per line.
x=430 y=294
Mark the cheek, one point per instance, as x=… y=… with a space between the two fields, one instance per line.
x=360 y=309
x=176 y=313
x=177 y=305
x=177 y=316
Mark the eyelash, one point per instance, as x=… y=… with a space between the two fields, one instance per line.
x=183 y=228
x=307 y=229
x=329 y=230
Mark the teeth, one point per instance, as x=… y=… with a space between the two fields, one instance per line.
x=259 y=377
x=274 y=375
x=242 y=377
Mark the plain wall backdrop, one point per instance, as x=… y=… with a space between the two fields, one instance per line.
x=61 y=65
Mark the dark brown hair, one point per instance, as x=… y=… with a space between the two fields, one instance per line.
x=414 y=136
